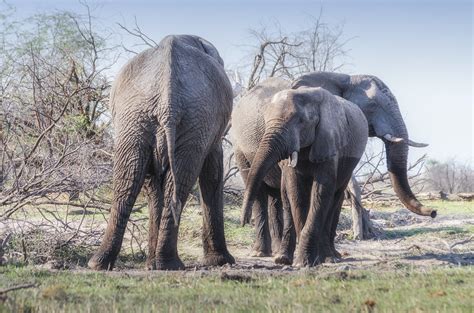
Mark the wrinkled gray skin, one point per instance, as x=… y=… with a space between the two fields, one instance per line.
x=381 y=111
x=383 y=115
x=325 y=136
x=248 y=128
x=170 y=106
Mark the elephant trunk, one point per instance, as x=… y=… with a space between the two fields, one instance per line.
x=270 y=151
x=397 y=154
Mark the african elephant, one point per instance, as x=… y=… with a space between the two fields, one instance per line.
x=170 y=105
x=323 y=137
x=384 y=121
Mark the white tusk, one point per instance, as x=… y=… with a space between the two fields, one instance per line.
x=293 y=159
x=417 y=144
x=392 y=139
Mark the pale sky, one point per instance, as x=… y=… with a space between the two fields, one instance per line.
x=421 y=49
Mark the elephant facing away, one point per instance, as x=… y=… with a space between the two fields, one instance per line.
x=170 y=105
x=384 y=121
x=320 y=138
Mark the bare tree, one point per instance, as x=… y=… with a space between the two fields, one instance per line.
x=319 y=47
x=373 y=176
x=55 y=136
x=370 y=184
x=450 y=176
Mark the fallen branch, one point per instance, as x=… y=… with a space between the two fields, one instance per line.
x=462 y=242
x=17 y=287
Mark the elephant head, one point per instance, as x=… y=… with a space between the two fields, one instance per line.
x=385 y=122
x=304 y=120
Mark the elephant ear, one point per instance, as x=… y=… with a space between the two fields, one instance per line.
x=335 y=83
x=385 y=105
x=211 y=50
x=331 y=133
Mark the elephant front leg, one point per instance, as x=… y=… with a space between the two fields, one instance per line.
x=296 y=194
x=211 y=188
x=313 y=246
x=263 y=242
x=167 y=244
x=155 y=208
x=331 y=226
x=288 y=242
x=275 y=218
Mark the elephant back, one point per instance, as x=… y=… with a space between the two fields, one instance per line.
x=248 y=124
x=154 y=79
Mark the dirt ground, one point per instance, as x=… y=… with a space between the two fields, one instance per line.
x=406 y=241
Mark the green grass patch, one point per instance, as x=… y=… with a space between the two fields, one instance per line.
x=404 y=290
x=451 y=207
x=191 y=226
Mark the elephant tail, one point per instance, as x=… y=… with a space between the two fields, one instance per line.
x=175 y=204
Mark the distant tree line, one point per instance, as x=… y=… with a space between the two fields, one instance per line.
x=450 y=176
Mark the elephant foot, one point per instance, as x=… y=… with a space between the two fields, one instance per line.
x=283 y=259
x=101 y=262
x=261 y=248
x=259 y=254
x=323 y=255
x=303 y=260
x=328 y=255
x=331 y=259
x=336 y=253
x=169 y=264
x=218 y=259
x=150 y=263
x=276 y=244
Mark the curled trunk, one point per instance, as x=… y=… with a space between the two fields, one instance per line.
x=397 y=154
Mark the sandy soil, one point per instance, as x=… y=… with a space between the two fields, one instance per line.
x=405 y=240
x=408 y=241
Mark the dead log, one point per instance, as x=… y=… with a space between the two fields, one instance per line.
x=361 y=225
x=466 y=196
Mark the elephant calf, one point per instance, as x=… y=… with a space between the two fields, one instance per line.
x=170 y=106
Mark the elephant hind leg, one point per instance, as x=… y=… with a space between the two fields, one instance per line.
x=188 y=164
x=211 y=187
x=132 y=157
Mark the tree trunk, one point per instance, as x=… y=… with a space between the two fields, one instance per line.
x=361 y=225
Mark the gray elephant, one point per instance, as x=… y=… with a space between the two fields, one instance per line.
x=323 y=137
x=170 y=106
x=384 y=121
